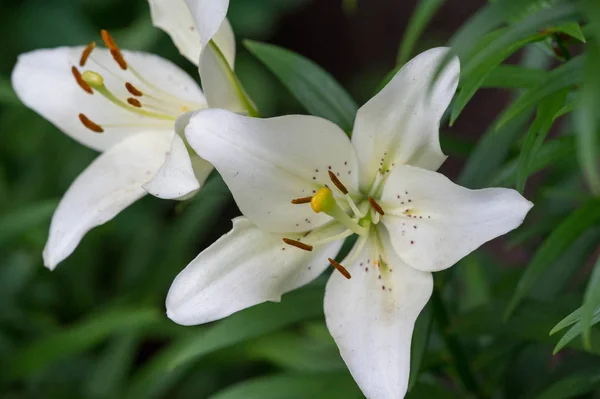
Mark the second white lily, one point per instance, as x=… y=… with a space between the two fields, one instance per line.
x=303 y=187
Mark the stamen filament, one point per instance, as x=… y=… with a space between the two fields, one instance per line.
x=337 y=183
x=354 y=208
x=303 y=200
x=340 y=268
x=341 y=216
x=341 y=236
x=298 y=244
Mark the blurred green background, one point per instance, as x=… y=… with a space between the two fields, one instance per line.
x=96 y=328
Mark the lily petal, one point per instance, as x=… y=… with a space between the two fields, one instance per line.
x=400 y=125
x=243 y=268
x=183 y=173
x=371 y=318
x=434 y=223
x=268 y=162
x=44 y=82
x=110 y=184
x=209 y=16
x=175 y=18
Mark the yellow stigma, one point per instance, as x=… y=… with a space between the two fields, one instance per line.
x=92 y=78
x=323 y=201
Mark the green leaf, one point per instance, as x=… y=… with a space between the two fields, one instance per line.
x=565 y=76
x=573 y=332
x=572 y=29
x=7 y=94
x=514 y=77
x=572 y=386
x=424 y=12
x=294 y=386
x=561 y=238
x=78 y=338
x=419 y=344
x=591 y=302
x=21 y=220
x=537 y=134
x=315 y=88
x=300 y=305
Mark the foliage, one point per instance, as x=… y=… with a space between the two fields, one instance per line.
x=95 y=327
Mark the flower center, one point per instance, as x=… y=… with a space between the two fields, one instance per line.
x=358 y=221
x=142 y=98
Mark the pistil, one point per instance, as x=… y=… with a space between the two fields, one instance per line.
x=323 y=201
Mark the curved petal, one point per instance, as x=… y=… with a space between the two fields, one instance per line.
x=400 y=125
x=180 y=175
x=110 y=184
x=244 y=268
x=434 y=222
x=371 y=318
x=43 y=80
x=268 y=162
x=209 y=16
x=175 y=18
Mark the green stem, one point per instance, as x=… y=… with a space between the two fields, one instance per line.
x=457 y=352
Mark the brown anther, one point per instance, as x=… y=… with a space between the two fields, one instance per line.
x=133 y=90
x=303 y=200
x=118 y=57
x=298 y=244
x=338 y=183
x=82 y=83
x=86 y=54
x=376 y=206
x=340 y=268
x=90 y=125
x=136 y=103
x=108 y=39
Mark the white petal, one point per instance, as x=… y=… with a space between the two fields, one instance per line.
x=44 y=82
x=209 y=16
x=434 y=222
x=180 y=175
x=175 y=18
x=244 y=268
x=268 y=162
x=110 y=184
x=219 y=83
x=401 y=124
x=371 y=319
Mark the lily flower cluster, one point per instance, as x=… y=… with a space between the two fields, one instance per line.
x=302 y=185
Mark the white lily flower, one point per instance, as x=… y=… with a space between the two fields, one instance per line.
x=133 y=107
x=303 y=187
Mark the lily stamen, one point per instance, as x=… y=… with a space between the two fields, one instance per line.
x=340 y=268
x=82 y=83
x=135 y=102
x=323 y=201
x=337 y=183
x=376 y=206
x=114 y=49
x=303 y=200
x=133 y=90
x=86 y=54
x=298 y=244
x=94 y=127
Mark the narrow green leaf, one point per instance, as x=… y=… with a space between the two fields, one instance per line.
x=591 y=302
x=294 y=386
x=514 y=77
x=537 y=134
x=77 y=338
x=575 y=330
x=419 y=343
x=568 y=108
x=157 y=375
x=424 y=12
x=561 y=238
x=572 y=29
x=572 y=386
x=25 y=218
x=315 y=88
x=572 y=318
x=565 y=76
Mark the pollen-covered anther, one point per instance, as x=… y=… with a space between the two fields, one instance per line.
x=340 y=268
x=114 y=49
x=376 y=206
x=135 y=102
x=86 y=53
x=337 y=183
x=80 y=81
x=94 y=127
x=133 y=90
x=298 y=244
x=303 y=200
